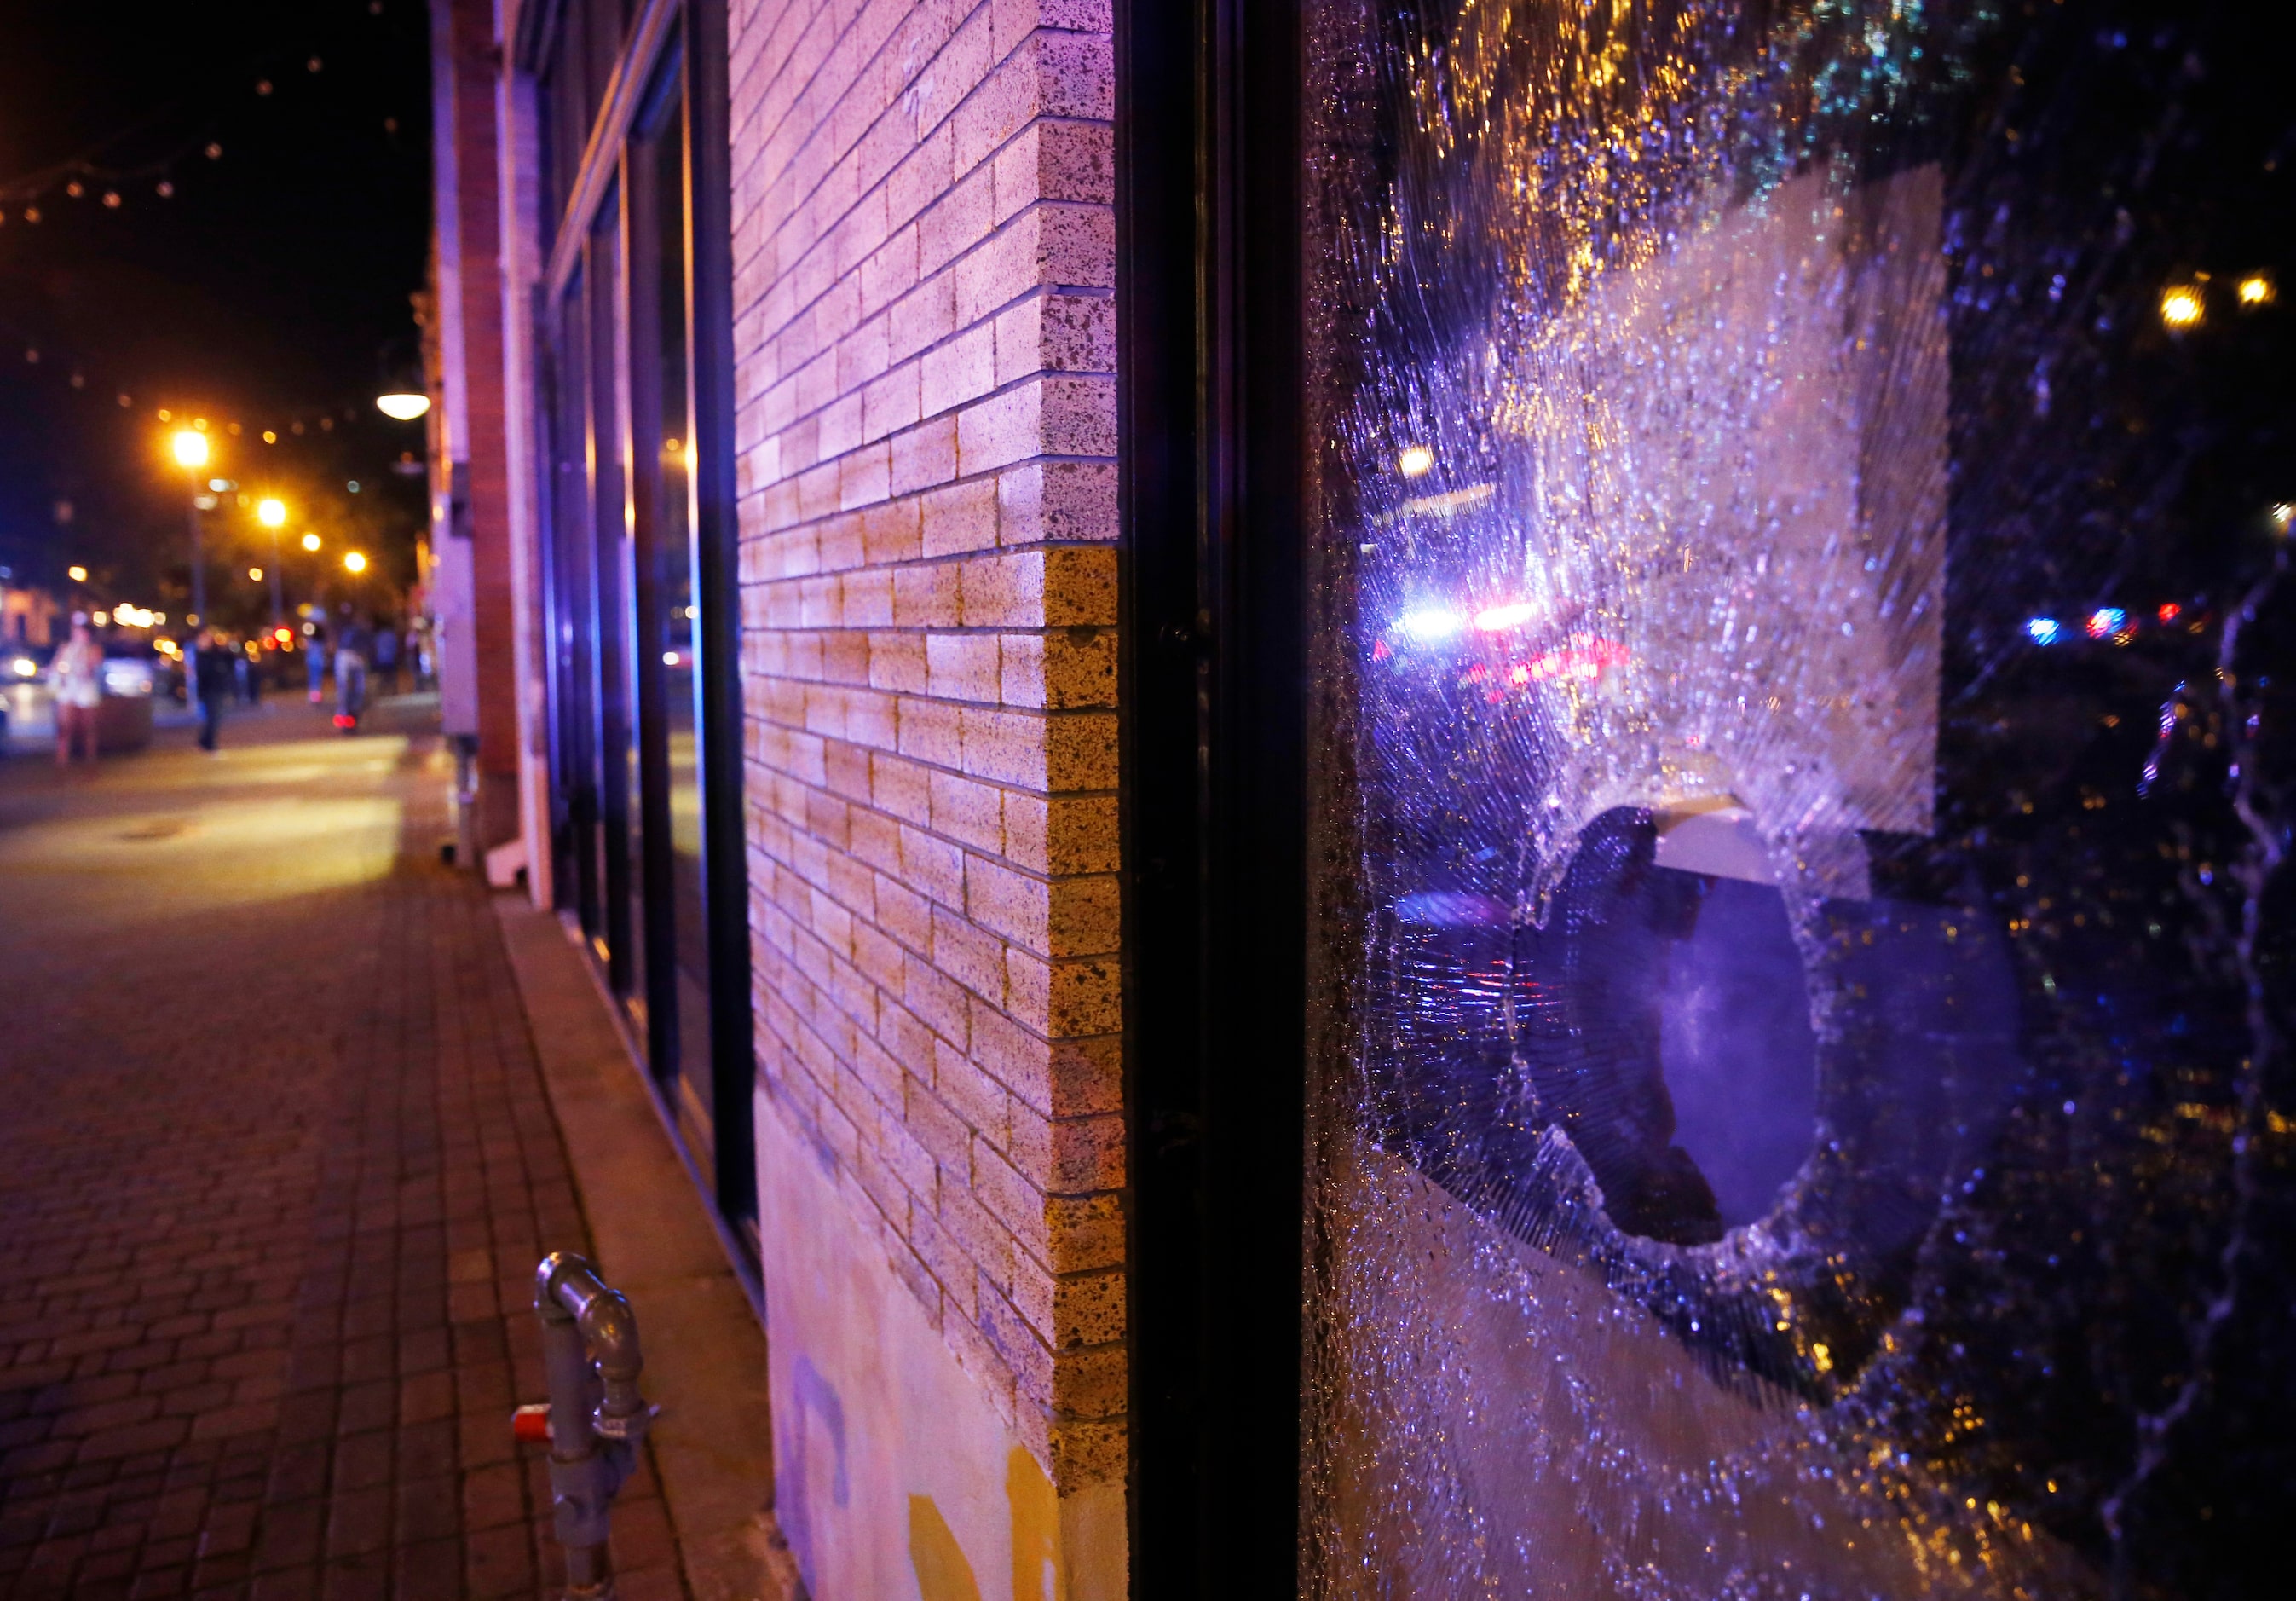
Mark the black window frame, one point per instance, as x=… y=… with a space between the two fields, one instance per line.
x=1215 y=788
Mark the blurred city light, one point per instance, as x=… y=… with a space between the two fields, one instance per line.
x=310 y=541
x=2045 y=630
x=78 y=575
x=1415 y=461
x=1499 y=619
x=191 y=449
x=271 y=513
x=2182 y=308
x=255 y=574
x=354 y=562
x=2105 y=621
x=405 y=407
x=2258 y=289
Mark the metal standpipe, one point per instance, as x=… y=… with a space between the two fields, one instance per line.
x=596 y=1418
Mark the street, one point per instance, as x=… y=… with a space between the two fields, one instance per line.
x=277 y=1164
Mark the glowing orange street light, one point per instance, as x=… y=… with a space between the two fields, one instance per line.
x=191 y=446
x=271 y=513
x=353 y=561
x=310 y=541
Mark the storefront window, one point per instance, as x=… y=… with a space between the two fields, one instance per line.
x=639 y=561
x=1805 y=512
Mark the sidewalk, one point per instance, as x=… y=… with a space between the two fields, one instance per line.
x=279 y=1161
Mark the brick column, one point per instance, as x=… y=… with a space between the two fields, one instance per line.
x=924 y=252
x=483 y=471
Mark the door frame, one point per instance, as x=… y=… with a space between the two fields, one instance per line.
x=1209 y=206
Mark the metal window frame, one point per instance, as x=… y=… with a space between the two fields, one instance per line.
x=1215 y=792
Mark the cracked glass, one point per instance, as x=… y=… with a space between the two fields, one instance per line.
x=1802 y=509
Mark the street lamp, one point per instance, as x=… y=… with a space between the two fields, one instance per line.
x=310 y=541
x=405 y=408
x=353 y=561
x=78 y=575
x=272 y=514
x=191 y=454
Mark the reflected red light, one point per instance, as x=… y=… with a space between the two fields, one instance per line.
x=1581 y=659
x=2170 y=610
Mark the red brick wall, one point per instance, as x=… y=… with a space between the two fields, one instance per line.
x=477 y=189
x=924 y=257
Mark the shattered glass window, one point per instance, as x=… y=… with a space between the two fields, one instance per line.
x=1803 y=513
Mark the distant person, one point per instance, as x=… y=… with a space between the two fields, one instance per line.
x=76 y=682
x=315 y=662
x=214 y=680
x=354 y=649
x=386 y=658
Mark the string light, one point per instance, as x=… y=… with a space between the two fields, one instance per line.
x=78 y=177
x=80 y=379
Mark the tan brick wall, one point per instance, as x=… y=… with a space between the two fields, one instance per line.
x=924 y=255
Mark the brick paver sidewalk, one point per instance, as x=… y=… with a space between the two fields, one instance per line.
x=276 y=1165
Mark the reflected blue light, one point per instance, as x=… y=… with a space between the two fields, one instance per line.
x=1430 y=622
x=2106 y=620
x=2045 y=630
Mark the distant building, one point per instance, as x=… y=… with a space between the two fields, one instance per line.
x=30 y=617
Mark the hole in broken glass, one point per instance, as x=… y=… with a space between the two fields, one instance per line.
x=1675 y=1045
x=1661 y=1017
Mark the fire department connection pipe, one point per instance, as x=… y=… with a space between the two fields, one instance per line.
x=596 y=1418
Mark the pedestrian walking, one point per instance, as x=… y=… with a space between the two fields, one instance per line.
x=354 y=649
x=386 y=658
x=315 y=662
x=76 y=684
x=213 y=681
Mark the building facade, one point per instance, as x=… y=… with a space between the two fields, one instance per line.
x=1387 y=794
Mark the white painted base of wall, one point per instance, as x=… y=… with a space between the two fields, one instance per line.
x=895 y=1477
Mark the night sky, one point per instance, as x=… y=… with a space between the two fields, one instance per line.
x=272 y=287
